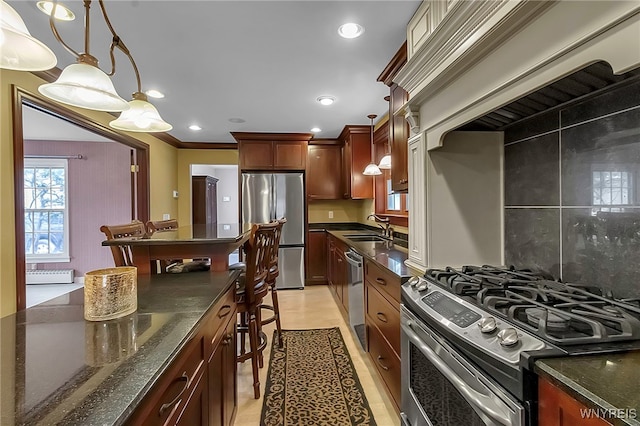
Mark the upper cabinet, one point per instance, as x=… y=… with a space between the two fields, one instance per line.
x=356 y=155
x=398 y=126
x=325 y=172
x=272 y=151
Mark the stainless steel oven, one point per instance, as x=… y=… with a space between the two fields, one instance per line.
x=440 y=387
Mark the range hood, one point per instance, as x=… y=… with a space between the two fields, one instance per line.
x=594 y=78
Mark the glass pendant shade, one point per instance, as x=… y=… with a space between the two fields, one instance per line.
x=18 y=49
x=85 y=86
x=141 y=117
x=385 y=163
x=371 y=170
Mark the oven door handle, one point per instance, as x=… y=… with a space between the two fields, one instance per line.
x=484 y=403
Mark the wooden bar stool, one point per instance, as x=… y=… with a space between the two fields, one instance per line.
x=252 y=288
x=122 y=254
x=271 y=282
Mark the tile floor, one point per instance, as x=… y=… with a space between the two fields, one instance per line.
x=313 y=307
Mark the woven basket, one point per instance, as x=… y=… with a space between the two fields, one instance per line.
x=110 y=293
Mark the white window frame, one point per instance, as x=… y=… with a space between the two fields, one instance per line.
x=51 y=257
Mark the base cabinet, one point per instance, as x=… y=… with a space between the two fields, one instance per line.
x=337 y=273
x=316 y=257
x=382 y=320
x=200 y=386
x=557 y=408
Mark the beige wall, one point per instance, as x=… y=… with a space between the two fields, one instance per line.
x=345 y=211
x=163 y=174
x=187 y=157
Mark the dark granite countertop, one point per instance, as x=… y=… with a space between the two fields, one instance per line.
x=607 y=381
x=390 y=255
x=58 y=369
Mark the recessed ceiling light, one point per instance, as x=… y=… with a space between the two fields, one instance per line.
x=350 y=30
x=316 y=129
x=195 y=127
x=326 y=100
x=62 y=12
x=237 y=120
x=155 y=94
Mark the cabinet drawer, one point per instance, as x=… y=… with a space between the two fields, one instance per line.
x=384 y=281
x=221 y=313
x=386 y=361
x=170 y=395
x=385 y=316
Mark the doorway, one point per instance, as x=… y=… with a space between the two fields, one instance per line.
x=100 y=177
x=227 y=198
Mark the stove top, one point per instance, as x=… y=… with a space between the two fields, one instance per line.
x=560 y=313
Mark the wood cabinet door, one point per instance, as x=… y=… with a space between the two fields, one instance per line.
x=204 y=201
x=399 y=135
x=346 y=169
x=290 y=155
x=324 y=172
x=229 y=374
x=557 y=408
x=316 y=257
x=331 y=263
x=361 y=185
x=255 y=155
x=216 y=388
x=196 y=410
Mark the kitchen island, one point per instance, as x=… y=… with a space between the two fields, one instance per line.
x=57 y=368
x=603 y=386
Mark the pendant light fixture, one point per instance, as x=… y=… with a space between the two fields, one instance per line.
x=19 y=50
x=85 y=85
x=372 y=169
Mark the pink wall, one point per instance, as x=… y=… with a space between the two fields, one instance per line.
x=99 y=194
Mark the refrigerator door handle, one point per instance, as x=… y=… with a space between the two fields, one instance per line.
x=274 y=197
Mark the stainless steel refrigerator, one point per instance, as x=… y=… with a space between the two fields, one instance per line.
x=269 y=196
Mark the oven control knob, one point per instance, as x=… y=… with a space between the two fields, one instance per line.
x=422 y=286
x=487 y=324
x=508 y=337
x=413 y=281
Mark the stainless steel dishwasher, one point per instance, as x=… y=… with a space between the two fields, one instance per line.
x=355 y=285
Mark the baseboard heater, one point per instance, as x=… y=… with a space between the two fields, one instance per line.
x=49 y=276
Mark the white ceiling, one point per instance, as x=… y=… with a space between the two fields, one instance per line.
x=38 y=125
x=263 y=61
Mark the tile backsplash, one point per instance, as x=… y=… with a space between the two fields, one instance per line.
x=572 y=192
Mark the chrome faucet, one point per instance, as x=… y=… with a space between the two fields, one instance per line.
x=383 y=222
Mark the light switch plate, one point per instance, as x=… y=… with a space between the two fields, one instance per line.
x=226 y=199
x=175 y=194
x=166 y=216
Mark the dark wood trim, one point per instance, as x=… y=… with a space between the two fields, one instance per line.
x=271 y=136
x=18 y=198
x=353 y=129
x=392 y=68
x=21 y=96
x=325 y=142
x=207 y=145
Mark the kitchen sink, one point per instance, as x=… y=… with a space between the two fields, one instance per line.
x=373 y=238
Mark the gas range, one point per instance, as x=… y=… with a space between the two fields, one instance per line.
x=503 y=319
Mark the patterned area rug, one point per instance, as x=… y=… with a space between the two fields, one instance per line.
x=312 y=382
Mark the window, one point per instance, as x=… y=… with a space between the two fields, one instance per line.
x=46 y=210
x=393 y=199
x=612 y=189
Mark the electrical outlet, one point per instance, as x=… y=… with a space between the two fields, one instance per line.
x=166 y=216
x=330 y=214
x=226 y=227
x=226 y=199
